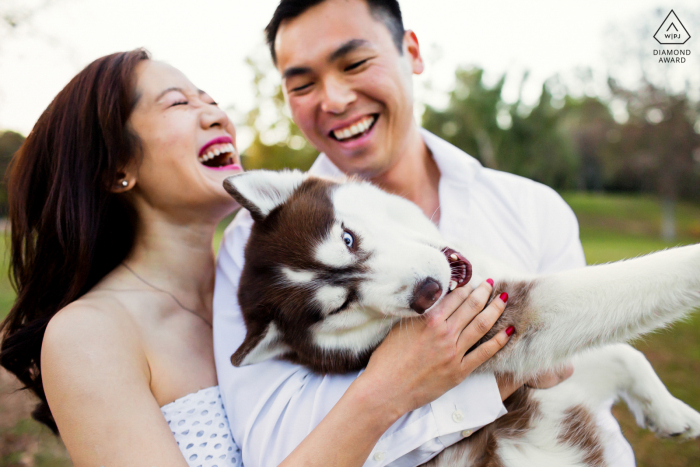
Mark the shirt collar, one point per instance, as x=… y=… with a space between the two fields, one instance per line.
x=454 y=164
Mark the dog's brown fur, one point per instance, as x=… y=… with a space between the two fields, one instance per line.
x=579 y=430
x=481 y=448
x=292 y=308
x=516 y=311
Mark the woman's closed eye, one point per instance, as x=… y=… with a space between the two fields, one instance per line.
x=185 y=102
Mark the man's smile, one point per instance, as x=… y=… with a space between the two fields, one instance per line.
x=355 y=129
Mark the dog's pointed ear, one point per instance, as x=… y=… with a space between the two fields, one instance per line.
x=260 y=346
x=261 y=191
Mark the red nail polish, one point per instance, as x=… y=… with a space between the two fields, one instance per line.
x=510 y=330
x=490 y=281
x=504 y=297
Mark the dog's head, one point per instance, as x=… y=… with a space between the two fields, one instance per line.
x=331 y=265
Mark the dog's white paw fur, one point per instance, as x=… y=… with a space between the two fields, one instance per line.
x=669 y=417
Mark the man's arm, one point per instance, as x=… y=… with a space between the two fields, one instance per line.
x=558 y=232
x=274 y=405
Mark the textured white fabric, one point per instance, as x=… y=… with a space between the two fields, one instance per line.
x=200 y=426
x=273 y=405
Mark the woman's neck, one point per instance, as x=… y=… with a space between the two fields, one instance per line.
x=177 y=258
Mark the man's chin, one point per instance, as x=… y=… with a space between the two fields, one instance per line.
x=365 y=166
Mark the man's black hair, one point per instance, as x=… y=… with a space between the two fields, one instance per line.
x=386 y=11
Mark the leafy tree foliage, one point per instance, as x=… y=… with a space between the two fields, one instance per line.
x=510 y=137
x=277 y=141
x=9 y=144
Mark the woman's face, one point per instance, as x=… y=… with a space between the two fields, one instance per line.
x=188 y=144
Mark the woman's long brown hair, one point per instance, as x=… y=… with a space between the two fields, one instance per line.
x=69 y=229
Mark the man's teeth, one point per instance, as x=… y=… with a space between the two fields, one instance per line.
x=354 y=129
x=220 y=149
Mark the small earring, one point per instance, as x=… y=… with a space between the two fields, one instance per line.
x=125 y=183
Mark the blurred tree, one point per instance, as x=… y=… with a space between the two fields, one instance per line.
x=657 y=142
x=277 y=141
x=657 y=147
x=10 y=142
x=526 y=141
x=470 y=120
x=538 y=146
x=589 y=125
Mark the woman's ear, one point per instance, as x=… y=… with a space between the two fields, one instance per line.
x=124 y=182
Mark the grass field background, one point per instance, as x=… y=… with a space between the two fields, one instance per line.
x=612 y=227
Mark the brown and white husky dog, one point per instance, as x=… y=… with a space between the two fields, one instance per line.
x=331 y=266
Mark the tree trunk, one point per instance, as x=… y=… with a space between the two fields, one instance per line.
x=668 y=219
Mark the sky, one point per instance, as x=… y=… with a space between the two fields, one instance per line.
x=209 y=41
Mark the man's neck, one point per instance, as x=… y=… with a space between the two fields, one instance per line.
x=415 y=176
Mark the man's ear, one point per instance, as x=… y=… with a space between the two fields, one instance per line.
x=412 y=50
x=260 y=346
x=261 y=191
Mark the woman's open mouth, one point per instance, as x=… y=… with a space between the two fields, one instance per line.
x=356 y=130
x=460 y=268
x=218 y=155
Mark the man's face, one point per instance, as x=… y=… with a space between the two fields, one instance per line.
x=348 y=87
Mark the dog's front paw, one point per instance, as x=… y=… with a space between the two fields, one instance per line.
x=673 y=418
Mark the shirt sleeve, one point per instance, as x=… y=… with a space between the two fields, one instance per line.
x=558 y=232
x=272 y=406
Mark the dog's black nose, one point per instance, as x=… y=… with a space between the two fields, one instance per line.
x=425 y=295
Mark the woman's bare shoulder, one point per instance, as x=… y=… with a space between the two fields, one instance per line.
x=97 y=382
x=90 y=332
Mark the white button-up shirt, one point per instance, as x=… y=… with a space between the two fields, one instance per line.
x=273 y=405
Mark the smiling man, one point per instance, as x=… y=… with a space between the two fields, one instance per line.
x=347 y=71
x=347 y=68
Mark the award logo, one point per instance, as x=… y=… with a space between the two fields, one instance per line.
x=672 y=32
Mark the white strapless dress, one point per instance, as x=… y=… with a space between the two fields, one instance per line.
x=198 y=422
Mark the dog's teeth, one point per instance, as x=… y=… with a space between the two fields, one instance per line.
x=454 y=257
x=453 y=285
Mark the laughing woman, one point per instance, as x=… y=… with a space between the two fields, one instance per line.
x=115 y=197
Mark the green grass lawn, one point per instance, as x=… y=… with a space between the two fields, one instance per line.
x=617 y=227
x=612 y=227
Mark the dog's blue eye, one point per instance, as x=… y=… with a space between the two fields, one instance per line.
x=348 y=239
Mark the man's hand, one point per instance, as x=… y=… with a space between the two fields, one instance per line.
x=551 y=378
x=545 y=380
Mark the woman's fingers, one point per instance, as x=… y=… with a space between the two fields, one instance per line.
x=472 y=303
x=482 y=323
x=449 y=305
x=486 y=350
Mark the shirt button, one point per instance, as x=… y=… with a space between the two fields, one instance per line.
x=457 y=416
x=466 y=433
x=378 y=456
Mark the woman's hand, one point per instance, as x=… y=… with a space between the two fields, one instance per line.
x=422 y=358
